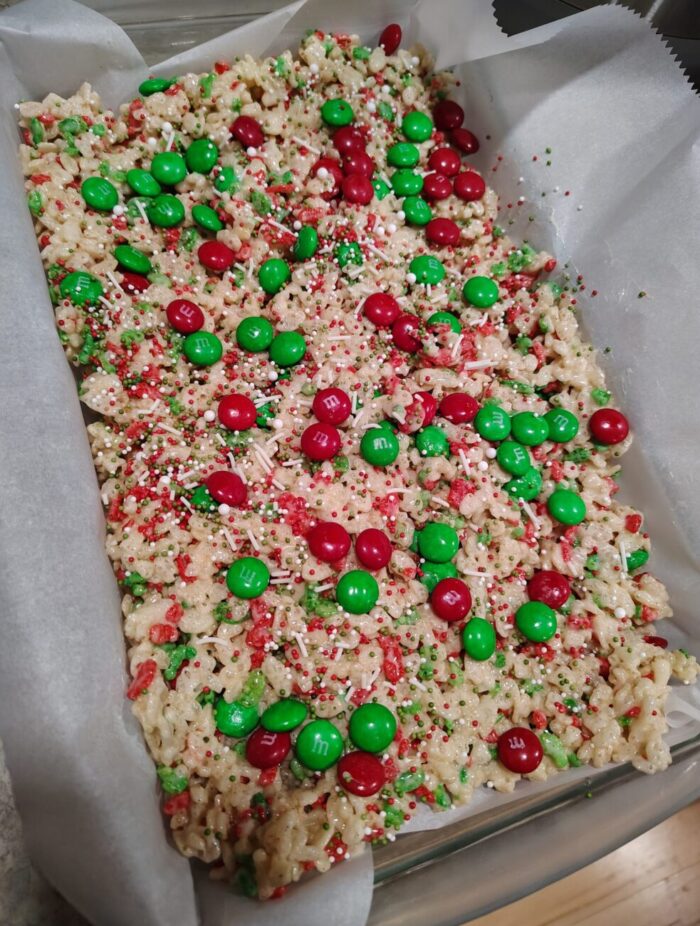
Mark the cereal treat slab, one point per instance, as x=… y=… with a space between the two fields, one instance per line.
x=358 y=467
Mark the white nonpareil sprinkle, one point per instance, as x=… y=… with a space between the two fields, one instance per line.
x=209 y=415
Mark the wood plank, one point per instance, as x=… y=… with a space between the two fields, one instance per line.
x=652 y=881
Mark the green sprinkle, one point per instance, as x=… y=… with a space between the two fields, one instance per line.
x=260 y=202
x=600 y=396
x=35 y=202
x=205 y=85
x=385 y=111
x=170 y=781
x=361 y=53
x=36 y=130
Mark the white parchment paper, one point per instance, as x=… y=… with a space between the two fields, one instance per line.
x=603 y=93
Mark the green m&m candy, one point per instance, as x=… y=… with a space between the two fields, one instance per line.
x=427 y=269
x=379 y=446
x=403 y=154
x=201 y=155
x=319 y=745
x=566 y=506
x=416 y=126
x=202 y=500
x=206 y=217
x=536 y=621
x=563 y=425
x=492 y=422
x=247 y=577
x=636 y=559
x=481 y=292
x=445 y=318
x=142 y=183
x=273 y=274
x=99 y=194
x=81 y=287
x=381 y=188
x=287 y=348
x=436 y=572
x=529 y=429
x=165 y=211
x=169 y=168
x=284 y=715
x=372 y=727
x=513 y=458
x=154 y=85
x=337 y=112
x=527 y=486
x=406 y=182
x=235 y=718
x=202 y=348
x=254 y=334
x=432 y=442
x=225 y=180
x=479 y=639
x=417 y=211
x=438 y=542
x=357 y=591
x=132 y=259
x=306 y=244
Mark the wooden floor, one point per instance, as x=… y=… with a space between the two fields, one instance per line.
x=652 y=881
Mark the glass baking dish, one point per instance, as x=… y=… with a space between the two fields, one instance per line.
x=446 y=877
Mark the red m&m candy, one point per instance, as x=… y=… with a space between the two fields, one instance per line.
x=381 y=309
x=215 y=255
x=237 y=412
x=134 y=282
x=465 y=141
x=226 y=488
x=265 y=749
x=519 y=750
x=248 y=132
x=608 y=426
x=184 y=316
x=348 y=140
x=469 y=186
x=443 y=232
x=390 y=39
x=358 y=162
x=445 y=161
x=320 y=441
x=459 y=408
x=404 y=332
x=332 y=405
x=357 y=189
x=430 y=406
x=549 y=587
x=448 y=115
x=361 y=773
x=328 y=541
x=436 y=187
x=328 y=167
x=451 y=600
x=373 y=548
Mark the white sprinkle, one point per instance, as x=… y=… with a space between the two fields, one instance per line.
x=218 y=640
x=166 y=427
x=620 y=613
x=457 y=345
x=414 y=681
x=478 y=364
x=296 y=462
x=281 y=227
x=302 y=646
x=378 y=252
x=623 y=557
x=491 y=453
x=106 y=303
x=224 y=509
x=482 y=465
x=322 y=173
x=296 y=225
x=152 y=142
x=411 y=278
x=253 y=542
x=464 y=461
x=339 y=337
x=476 y=575
x=229 y=540
x=187 y=505
x=530 y=513
x=114 y=281
x=325 y=588
x=251 y=151
x=209 y=415
x=140 y=206
x=118 y=210
x=166 y=127
x=169 y=140
x=278 y=485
